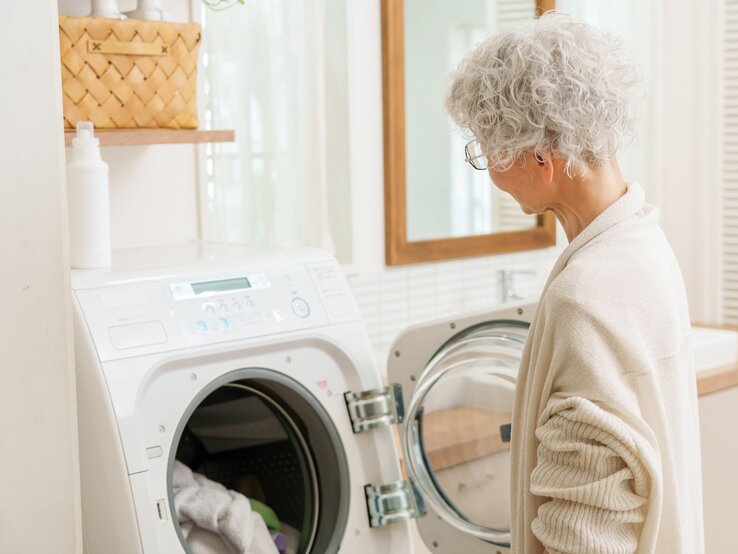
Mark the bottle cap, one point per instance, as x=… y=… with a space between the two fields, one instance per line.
x=85 y=135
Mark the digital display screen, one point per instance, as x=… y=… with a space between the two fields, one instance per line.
x=221 y=286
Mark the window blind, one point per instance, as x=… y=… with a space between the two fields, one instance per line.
x=729 y=167
x=508 y=215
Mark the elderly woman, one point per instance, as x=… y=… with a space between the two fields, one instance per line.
x=605 y=438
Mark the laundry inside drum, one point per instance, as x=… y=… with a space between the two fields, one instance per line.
x=260 y=440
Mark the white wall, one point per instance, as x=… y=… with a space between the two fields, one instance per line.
x=337 y=168
x=366 y=141
x=153 y=193
x=39 y=504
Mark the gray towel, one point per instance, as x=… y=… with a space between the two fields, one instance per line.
x=216 y=520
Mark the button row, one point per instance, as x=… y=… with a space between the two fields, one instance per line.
x=223 y=323
x=210 y=308
x=227 y=323
x=300 y=308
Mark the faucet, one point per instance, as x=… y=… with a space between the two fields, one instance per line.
x=507 y=283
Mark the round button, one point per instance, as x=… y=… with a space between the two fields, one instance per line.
x=223 y=308
x=300 y=307
x=236 y=305
x=208 y=308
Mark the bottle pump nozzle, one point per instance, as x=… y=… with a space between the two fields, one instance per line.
x=85 y=135
x=85 y=145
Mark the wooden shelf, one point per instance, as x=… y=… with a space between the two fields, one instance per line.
x=133 y=137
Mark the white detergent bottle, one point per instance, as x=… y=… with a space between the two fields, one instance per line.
x=106 y=8
x=149 y=9
x=88 y=200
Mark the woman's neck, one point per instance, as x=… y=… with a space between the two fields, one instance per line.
x=580 y=199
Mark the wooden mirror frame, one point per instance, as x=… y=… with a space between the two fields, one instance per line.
x=398 y=249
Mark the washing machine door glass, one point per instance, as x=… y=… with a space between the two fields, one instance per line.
x=456 y=438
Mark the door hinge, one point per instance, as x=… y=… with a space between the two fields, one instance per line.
x=398 y=501
x=375 y=408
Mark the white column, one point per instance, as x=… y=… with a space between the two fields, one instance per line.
x=366 y=141
x=688 y=189
x=39 y=504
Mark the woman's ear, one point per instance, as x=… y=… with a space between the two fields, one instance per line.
x=545 y=162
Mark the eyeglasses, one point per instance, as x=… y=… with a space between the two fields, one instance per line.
x=475 y=155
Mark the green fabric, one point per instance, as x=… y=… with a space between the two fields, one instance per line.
x=267 y=514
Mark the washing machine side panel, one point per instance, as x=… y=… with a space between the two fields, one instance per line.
x=108 y=514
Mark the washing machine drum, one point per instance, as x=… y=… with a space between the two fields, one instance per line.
x=262 y=434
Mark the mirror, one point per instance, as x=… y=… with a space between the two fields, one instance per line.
x=436 y=205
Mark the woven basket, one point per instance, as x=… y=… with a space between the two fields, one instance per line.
x=128 y=73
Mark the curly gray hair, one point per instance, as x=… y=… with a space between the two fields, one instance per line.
x=552 y=83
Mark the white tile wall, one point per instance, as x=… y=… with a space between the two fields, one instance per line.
x=393 y=299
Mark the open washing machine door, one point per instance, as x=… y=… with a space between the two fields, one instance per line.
x=454 y=383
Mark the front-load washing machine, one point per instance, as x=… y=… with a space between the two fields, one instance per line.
x=253 y=368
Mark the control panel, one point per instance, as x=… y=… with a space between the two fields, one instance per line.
x=205 y=308
x=246 y=304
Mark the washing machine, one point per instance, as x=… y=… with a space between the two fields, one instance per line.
x=253 y=367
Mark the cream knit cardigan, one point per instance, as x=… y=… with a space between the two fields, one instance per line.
x=605 y=440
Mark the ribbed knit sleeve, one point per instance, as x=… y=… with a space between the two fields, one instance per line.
x=590 y=468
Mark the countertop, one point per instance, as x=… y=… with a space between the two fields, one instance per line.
x=720 y=377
